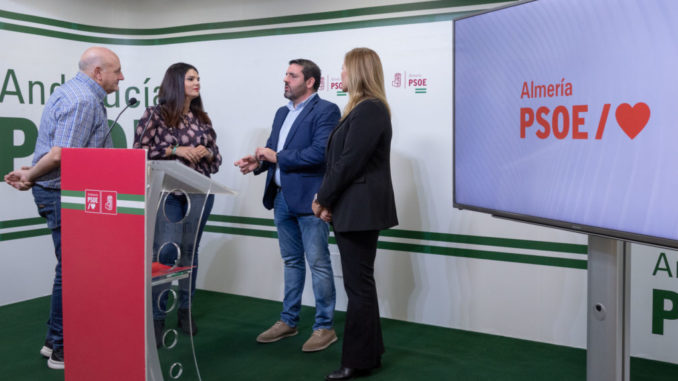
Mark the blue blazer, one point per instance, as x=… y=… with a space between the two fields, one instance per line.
x=302 y=159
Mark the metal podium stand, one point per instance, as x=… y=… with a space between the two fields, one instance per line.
x=165 y=177
x=110 y=200
x=608 y=310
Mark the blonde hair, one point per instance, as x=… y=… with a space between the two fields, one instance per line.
x=365 y=78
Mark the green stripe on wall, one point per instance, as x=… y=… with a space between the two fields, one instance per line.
x=22 y=222
x=430 y=249
x=233 y=35
x=24 y=234
x=241 y=231
x=367 y=11
x=395 y=246
x=241 y=220
x=488 y=241
x=442 y=237
x=483 y=254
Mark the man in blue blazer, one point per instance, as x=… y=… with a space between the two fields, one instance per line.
x=294 y=157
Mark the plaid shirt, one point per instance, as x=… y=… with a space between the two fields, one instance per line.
x=74 y=116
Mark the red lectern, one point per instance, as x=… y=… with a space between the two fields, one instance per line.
x=110 y=200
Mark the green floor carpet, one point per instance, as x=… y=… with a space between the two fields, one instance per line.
x=226 y=349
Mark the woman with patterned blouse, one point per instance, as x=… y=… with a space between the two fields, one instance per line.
x=179 y=129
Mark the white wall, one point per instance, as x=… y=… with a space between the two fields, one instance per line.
x=242 y=87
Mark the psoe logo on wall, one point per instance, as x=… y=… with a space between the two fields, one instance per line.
x=417 y=82
x=101 y=202
x=332 y=84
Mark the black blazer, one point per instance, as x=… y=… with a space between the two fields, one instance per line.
x=357 y=186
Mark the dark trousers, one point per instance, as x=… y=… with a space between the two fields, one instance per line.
x=363 y=343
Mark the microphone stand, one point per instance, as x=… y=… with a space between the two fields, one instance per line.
x=130 y=102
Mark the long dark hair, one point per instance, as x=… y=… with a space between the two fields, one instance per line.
x=172 y=96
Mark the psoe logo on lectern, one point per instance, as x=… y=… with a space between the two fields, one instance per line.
x=101 y=202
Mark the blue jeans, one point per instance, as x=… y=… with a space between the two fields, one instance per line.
x=170 y=227
x=48 y=202
x=299 y=234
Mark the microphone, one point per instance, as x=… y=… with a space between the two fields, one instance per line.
x=130 y=102
x=161 y=102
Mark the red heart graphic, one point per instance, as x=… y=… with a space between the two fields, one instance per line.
x=632 y=119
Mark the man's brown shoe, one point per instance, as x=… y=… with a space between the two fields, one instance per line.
x=319 y=340
x=278 y=331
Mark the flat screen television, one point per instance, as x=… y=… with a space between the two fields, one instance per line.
x=566 y=114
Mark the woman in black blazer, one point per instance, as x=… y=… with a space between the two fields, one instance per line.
x=356 y=195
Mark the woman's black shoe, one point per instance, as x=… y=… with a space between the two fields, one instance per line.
x=345 y=373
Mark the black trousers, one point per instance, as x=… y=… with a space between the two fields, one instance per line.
x=363 y=343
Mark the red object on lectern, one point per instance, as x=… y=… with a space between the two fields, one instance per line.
x=102 y=218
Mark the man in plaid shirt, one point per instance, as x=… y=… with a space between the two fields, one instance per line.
x=74 y=116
